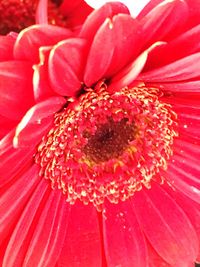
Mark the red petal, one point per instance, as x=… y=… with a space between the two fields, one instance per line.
x=13 y=161
x=128 y=74
x=75 y=11
x=106 y=56
x=180 y=87
x=97 y=17
x=48 y=237
x=20 y=238
x=82 y=246
x=166 y=226
x=6 y=125
x=41 y=12
x=31 y=39
x=14 y=198
x=41 y=84
x=180 y=70
x=36 y=121
x=6 y=47
x=66 y=64
x=169 y=52
x=124 y=241
x=16 y=92
x=163 y=20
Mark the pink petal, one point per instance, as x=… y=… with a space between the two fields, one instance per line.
x=41 y=83
x=180 y=70
x=12 y=160
x=36 y=122
x=128 y=74
x=106 y=56
x=166 y=226
x=49 y=233
x=14 y=198
x=6 y=47
x=149 y=7
x=15 y=87
x=6 y=125
x=184 y=181
x=20 y=238
x=41 y=12
x=181 y=87
x=31 y=39
x=124 y=241
x=163 y=20
x=66 y=64
x=97 y=17
x=162 y=55
x=75 y=11
x=82 y=246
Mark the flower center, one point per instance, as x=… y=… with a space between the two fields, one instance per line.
x=109 y=141
x=107 y=146
x=16 y=15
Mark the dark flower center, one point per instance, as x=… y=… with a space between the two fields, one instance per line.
x=109 y=141
x=108 y=146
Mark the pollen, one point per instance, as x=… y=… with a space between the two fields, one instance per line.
x=107 y=146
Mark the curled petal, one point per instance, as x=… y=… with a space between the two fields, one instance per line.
x=122 y=33
x=97 y=17
x=66 y=63
x=31 y=39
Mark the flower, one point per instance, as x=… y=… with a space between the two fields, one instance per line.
x=102 y=165
x=16 y=15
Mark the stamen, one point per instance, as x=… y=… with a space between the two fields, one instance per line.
x=108 y=146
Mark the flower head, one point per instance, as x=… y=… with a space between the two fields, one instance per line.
x=100 y=164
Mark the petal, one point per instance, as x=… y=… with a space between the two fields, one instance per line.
x=82 y=246
x=106 y=56
x=32 y=38
x=14 y=198
x=124 y=241
x=184 y=181
x=180 y=70
x=15 y=87
x=75 y=11
x=66 y=64
x=6 y=47
x=166 y=226
x=6 y=125
x=20 y=238
x=129 y=73
x=49 y=232
x=41 y=12
x=36 y=121
x=163 y=20
x=169 y=52
x=13 y=161
x=180 y=87
x=97 y=17
x=41 y=84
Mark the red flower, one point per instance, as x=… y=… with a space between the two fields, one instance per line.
x=16 y=15
x=103 y=169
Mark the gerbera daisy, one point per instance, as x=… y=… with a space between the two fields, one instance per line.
x=16 y=15
x=103 y=169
